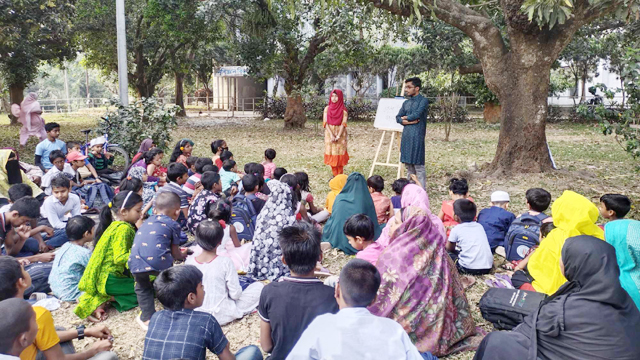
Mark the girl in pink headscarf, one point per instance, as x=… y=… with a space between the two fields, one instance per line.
x=29 y=116
x=335 y=133
x=413 y=196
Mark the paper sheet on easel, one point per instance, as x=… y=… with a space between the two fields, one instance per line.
x=386 y=114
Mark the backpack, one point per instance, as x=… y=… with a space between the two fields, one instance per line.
x=507 y=308
x=523 y=234
x=243 y=216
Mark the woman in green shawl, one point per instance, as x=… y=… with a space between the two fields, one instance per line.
x=624 y=235
x=353 y=199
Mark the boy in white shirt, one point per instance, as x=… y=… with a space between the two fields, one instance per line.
x=60 y=166
x=355 y=333
x=58 y=208
x=468 y=244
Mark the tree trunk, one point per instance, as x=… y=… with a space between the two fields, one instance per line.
x=522 y=145
x=294 y=115
x=583 y=96
x=16 y=95
x=180 y=94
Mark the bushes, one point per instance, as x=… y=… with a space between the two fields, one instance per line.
x=359 y=109
x=129 y=125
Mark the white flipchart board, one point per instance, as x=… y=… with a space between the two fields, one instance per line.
x=386 y=121
x=386 y=114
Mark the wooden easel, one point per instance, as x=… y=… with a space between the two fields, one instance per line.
x=387 y=163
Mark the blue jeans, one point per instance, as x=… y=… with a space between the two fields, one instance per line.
x=250 y=352
x=58 y=239
x=30 y=248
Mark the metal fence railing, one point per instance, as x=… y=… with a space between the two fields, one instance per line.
x=250 y=105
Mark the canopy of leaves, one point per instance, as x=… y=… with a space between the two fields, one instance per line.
x=32 y=31
x=156 y=30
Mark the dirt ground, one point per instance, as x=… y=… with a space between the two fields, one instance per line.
x=589 y=163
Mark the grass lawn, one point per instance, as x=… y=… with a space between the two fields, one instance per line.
x=589 y=163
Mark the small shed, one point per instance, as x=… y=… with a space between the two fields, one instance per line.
x=233 y=89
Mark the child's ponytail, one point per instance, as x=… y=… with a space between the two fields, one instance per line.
x=459 y=186
x=124 y=200
x=221 y=210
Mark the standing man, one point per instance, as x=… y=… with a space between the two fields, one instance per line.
x=413 y=116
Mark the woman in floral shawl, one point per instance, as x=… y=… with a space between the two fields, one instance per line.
x=266 y=254
x=421 y=288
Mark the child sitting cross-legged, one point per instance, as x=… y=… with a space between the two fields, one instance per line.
x=203 y=202
x=384 y=210
x=181 y=332
x=19 y=230
x=225 y=298
x=468 y=244
x=359 y=230
x=87 y=189
x=377 y=337
x=230 y=246
x=72 y=259
x=155 y=246
x=55 y=209
x=496 y=220
x=287 y=307
x=107 y=277
x=458 y=189
x=99 y=158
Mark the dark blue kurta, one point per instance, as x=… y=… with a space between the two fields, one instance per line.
x=412 y=146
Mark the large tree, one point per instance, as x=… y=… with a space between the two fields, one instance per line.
x=32 y=31
x=284 y=38
x=156 y=30
x=516 y=62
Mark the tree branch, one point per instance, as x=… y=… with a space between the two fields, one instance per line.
x=488 y=43
x=472 y=69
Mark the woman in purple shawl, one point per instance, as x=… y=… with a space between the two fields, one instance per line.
x=421 y=288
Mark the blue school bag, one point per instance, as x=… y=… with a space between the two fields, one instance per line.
x=523 y=234
x=243 y=216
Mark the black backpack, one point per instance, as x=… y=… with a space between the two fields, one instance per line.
x=507 y=308
x=523 y=234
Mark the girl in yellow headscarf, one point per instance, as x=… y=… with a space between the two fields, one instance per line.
x=336 y=184
x=573 y=215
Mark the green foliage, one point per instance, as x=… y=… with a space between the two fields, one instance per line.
x=156 y=31
x=146 y=118
x=557 y=12
x=616 y=119
x=49 y=84
x=32 y=31
x=359 y=109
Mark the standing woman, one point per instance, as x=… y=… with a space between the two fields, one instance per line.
x=335 y=133
x=32 y=122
